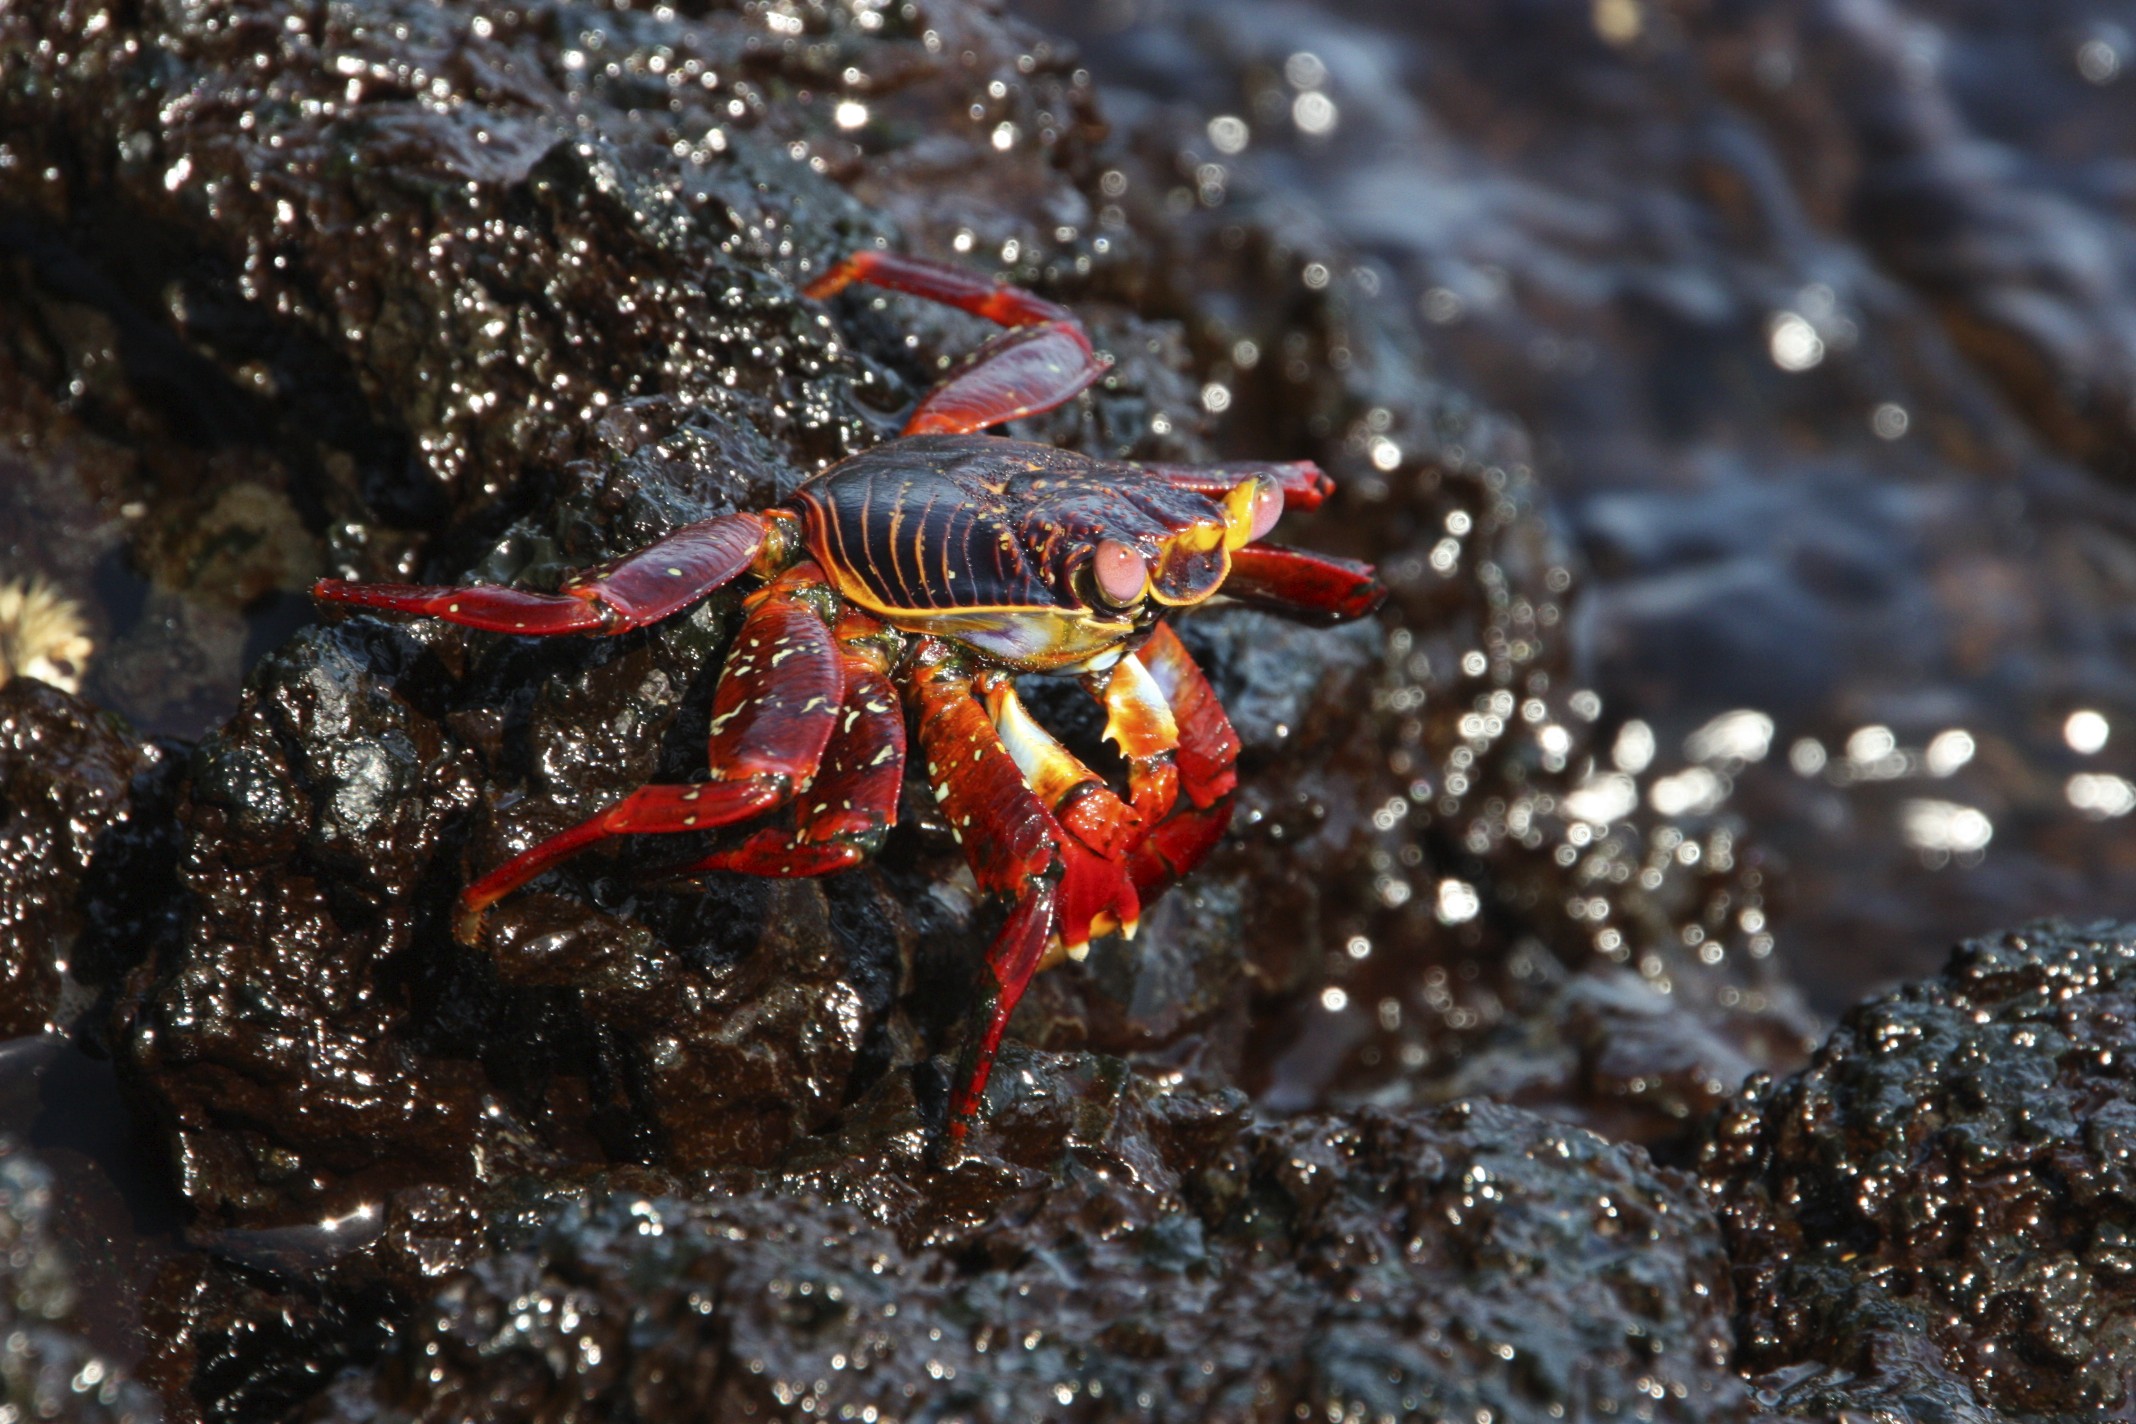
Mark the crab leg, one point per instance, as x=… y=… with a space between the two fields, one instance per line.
x=777 y=703
x=1315 y=588
x=852 y=803
x=631 y=592
x=1208 y=754
x=1044 y=362
x=1304 y=485
x=1058 y=887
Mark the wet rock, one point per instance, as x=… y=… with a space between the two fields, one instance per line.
x=46 y=1370
x=1390 y=1266
x=85 y=848
x=1952 y=1168
x=320 y=1037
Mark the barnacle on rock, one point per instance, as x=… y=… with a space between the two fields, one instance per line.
x=42 y=635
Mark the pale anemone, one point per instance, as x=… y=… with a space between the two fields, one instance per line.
x=42 y=635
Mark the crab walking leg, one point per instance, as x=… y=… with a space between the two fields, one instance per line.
x=1060 y=891
x=1208 y=755
x=851 y=804
x=772 y=715
x=1045 y=362
x=1313 y=588
x=942 y=282
x=1139 y=721
x=638 y=589
x=1304 y=485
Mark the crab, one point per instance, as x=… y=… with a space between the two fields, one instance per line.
x=946 y=563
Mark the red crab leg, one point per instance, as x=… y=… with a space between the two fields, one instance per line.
x=1317 y=588
x=1208 y=754
x=772 y=715
x=1304 y=485
x=637 y=589
x=852 y=803
x=1045 y=363
x=1057 y=886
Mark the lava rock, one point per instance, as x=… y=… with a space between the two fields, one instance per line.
x=1473 y=1259
x=1954 y=1165
x=84 y=878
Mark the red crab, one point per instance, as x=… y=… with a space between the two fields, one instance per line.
x=947 y=562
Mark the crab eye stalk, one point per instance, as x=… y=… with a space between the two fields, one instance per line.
x=1119 y=572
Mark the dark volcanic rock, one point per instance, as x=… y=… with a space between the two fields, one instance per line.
x=1183 y=1264
x=47 y=1372
x=1955 y=1164
x=84 y=875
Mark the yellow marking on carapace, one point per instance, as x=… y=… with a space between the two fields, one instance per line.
x=1030 y=638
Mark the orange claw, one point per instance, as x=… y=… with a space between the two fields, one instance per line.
x=1139 y=721
x=1061 y=891
x=1081 y=802
x=1208 y=754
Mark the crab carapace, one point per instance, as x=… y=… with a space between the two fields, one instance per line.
x=944 y=563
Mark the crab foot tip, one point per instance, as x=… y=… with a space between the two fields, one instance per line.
x=467 y=921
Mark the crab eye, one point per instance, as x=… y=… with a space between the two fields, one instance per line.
x=1120 y=573
x=1267 y=509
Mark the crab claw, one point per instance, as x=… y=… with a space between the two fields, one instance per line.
x=1095 y=898
x=1038 y=829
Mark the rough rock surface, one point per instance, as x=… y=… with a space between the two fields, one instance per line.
x=85 y=845
x=1938 y=1213
x=1180 y=1263
x=555 y=317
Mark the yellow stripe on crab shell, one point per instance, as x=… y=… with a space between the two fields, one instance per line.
x=1029 y=639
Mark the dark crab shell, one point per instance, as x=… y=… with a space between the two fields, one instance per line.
x=987 y=541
